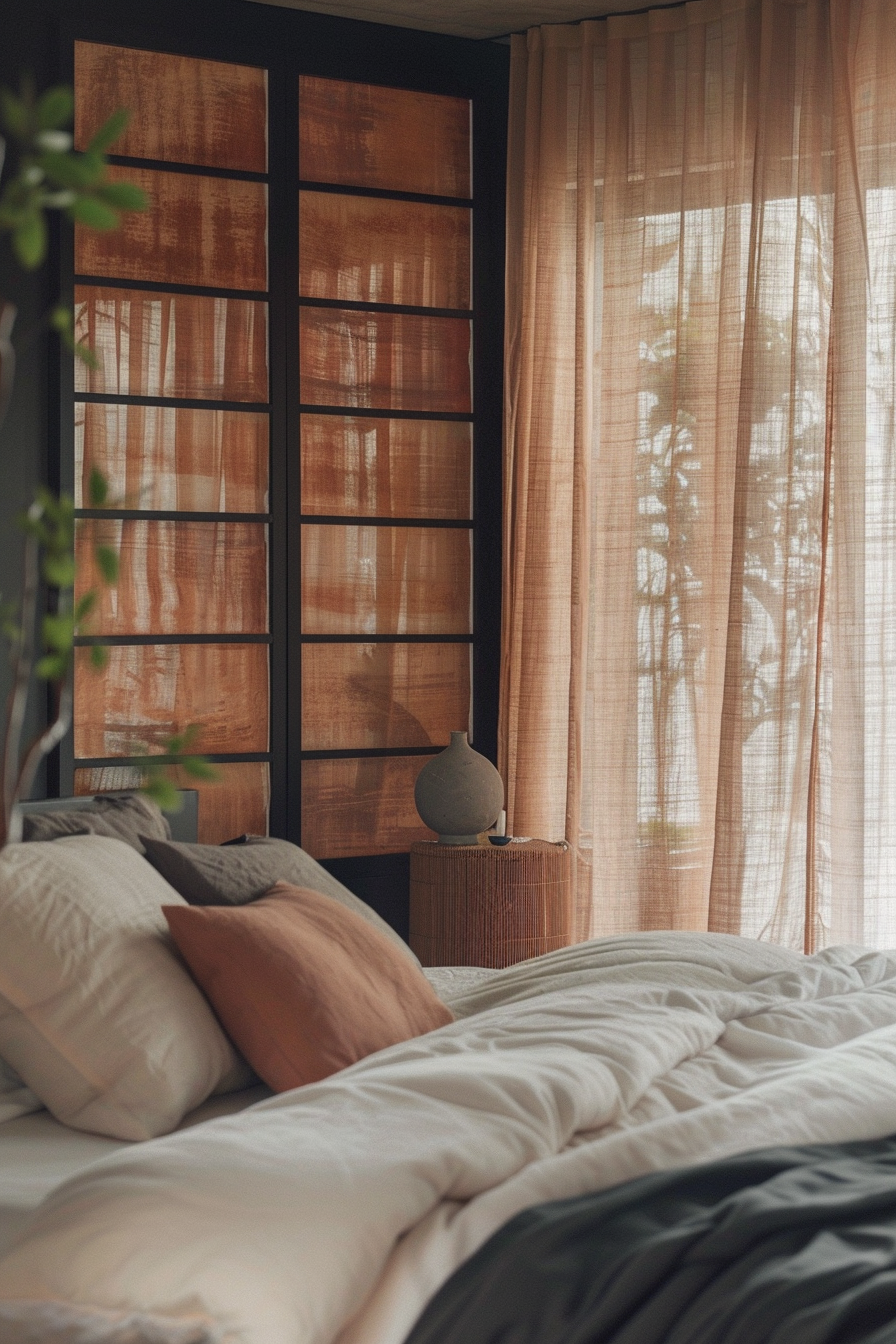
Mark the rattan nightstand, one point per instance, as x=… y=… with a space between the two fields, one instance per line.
x=489 y=905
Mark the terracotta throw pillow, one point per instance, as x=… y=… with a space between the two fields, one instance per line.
x=303 y=986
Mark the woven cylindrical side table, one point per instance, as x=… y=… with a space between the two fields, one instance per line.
x=489 y=905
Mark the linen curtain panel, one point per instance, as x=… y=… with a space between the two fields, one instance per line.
x=699 y=643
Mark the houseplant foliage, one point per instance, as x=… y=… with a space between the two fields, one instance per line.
x=48 y=175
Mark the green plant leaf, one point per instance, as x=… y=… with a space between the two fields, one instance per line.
x=61 y=320
x=122 y=195
x=178 y=743
x=94 y=213
x=70 y=170
x=86 y=355
x=55 y=108
x=197 y=767
x=109 y=131
x=98 y=488
x=107 y=562
x=14 y=115
x=162 y=791
x=99 y=656
x=85 y=605
x=29 y=240
x=59 y=570
x=58 y=630
x=52 y=667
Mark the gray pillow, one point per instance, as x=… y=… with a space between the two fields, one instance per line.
x=237 y=874
x=120 y=816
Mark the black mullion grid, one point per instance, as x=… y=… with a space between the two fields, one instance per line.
x=384 y=194
x=249 y=757
x=188 y=169
x=384 y=413
x=172 y=287
x=130 y=641
x=171 y=403
x=304 y=519
x=308 y=638
x=365 y=520
x=172 y=516
x=217 y=758
x=363 y=306
x=68 y=761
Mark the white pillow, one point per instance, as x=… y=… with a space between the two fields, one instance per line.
x=98 y=1015
x=15 y=1098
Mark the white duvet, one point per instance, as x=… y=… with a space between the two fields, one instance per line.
x=334 y=1212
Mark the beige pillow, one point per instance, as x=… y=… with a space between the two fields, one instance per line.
x=98 y=1015
x=123 y=816
x=236 y=874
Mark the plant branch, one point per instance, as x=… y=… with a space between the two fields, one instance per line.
x=7 y=356
x=22 y=664
x=40 y=747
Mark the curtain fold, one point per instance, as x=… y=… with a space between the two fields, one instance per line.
x=699 y=628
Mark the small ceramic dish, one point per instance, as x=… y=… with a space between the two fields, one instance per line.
x=500 y=839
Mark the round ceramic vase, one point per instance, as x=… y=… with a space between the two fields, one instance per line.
x=459 y=793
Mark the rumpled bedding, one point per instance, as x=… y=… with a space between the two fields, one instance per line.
x=782 y=1246
x=335 y=1212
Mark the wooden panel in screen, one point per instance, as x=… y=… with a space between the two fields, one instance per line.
x=396 y=361
x=385 y=580
x=235 y=804
x=197 y=230
x=147 y=692
x=361 y=806
x=172 y=345
x=156 y=457
x=386 y=468
x=381 y=251
x=389 y=695
x=365 y=135
x=182 y=110
x=176 y=578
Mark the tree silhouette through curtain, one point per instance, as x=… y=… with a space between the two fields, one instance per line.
x=699 y=676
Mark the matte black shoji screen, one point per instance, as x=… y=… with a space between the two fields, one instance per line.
x=377 y=581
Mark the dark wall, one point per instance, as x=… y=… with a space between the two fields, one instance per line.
x=26 y=437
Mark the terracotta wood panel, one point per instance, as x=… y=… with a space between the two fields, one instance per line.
x=397 y=361
x=237 y=803
x=177 y=578
x=365 y=135
x=147 y=692
x=385 y=580
x=358 y=806
x=156 y=457
x=380 y=251
x=386 y=468
x=388 y=695
x=182 y=109
x=172 y=345
x=196 y=231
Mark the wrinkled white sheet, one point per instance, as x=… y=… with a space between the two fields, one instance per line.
x=336 y=1210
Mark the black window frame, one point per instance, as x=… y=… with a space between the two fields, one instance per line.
x=290 y=43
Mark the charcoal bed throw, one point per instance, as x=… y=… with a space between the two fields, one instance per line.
x=782 y=1246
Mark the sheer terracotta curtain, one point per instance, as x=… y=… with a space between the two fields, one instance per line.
x=699 y=677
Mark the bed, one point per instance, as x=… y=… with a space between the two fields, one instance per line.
x=335 y=1212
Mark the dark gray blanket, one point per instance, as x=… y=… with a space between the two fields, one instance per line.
x=782 y=1246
